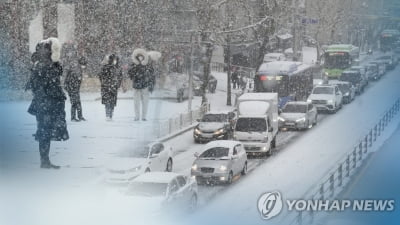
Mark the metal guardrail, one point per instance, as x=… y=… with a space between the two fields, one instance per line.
x=168 y=127
x=339 y=176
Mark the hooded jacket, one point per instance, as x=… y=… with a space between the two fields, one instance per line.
x=141 y=72
x=48 y=103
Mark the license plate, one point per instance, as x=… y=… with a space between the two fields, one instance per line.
x=290 y=124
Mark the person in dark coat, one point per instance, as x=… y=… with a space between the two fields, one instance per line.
x=110 y=79
x=48 y=103
x=143 y=78
x=235 y=78
x=73 y=80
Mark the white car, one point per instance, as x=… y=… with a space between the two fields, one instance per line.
x=298 y=115
x=152 y=157
x=326 y=98
x=220 y=162
x=155 y=193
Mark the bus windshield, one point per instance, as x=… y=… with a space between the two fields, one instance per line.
x=337 y=60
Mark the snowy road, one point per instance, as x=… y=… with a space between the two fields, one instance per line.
x=300 y=160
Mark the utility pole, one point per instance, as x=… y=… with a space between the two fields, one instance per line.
x=191 y=73
x=295 y=30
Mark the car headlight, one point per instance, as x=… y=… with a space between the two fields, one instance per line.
x=309 y=100
x=223 y=168
x=281 y=119
x=194 y=167
x=135 y=169
x=235 y=137
x=347 y=94
x=220 y=131
x=197 y=131
x=330 y=101
x=326 y=73
x=301 y=120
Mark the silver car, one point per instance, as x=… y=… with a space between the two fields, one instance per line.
x=347 y=89
x=162 y=191
x=298 y=115
x=220 y=162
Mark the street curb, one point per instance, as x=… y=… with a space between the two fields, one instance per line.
x=176 y=133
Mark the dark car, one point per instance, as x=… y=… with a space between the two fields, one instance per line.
x=388 y=60
x=198 y=80
x=214 y=126
x=355 y=79
x=372 y=71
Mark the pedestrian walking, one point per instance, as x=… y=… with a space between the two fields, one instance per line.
x=142 y=75
x=110 y=79
x=48 y=103
x=73 y=80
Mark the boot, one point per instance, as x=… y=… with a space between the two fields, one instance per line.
x=49 y=165
x=44 y=149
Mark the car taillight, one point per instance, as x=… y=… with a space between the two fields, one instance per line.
x=263 y=77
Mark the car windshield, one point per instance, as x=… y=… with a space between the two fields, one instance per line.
x=344 y=88
x=323 y=90
x=295 y=108
x=214 y=118
x=216 y=152
x=140 y=152
x=251 y=125
x=147 y=189
x=350 y=77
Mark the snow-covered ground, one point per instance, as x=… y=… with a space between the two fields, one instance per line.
x=75 y=194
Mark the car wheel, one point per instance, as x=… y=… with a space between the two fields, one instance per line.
x=147 y=170
x=230 y=178
x=169 y=165
x=315 y=120
x=269 y=152
x=273 y=144
x=308 y=125
x=192 y=203
x=244 y=171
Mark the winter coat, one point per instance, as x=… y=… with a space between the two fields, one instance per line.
x=141 y=72
x=48 y=103
x=110 y=79
x=72 y=83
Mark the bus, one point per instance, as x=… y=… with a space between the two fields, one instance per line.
x=338 y=58
x=388 y=38
x=293 y=81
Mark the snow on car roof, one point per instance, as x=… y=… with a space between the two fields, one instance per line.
x=325 y=85
x=338 y=82
x=257 y=96
x=219 y=111
x=297 y=103
x=221 y=143
x=156 y=177
x=253 y=107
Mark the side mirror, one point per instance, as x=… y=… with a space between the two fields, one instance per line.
x=198 y=120
x=196 y=154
